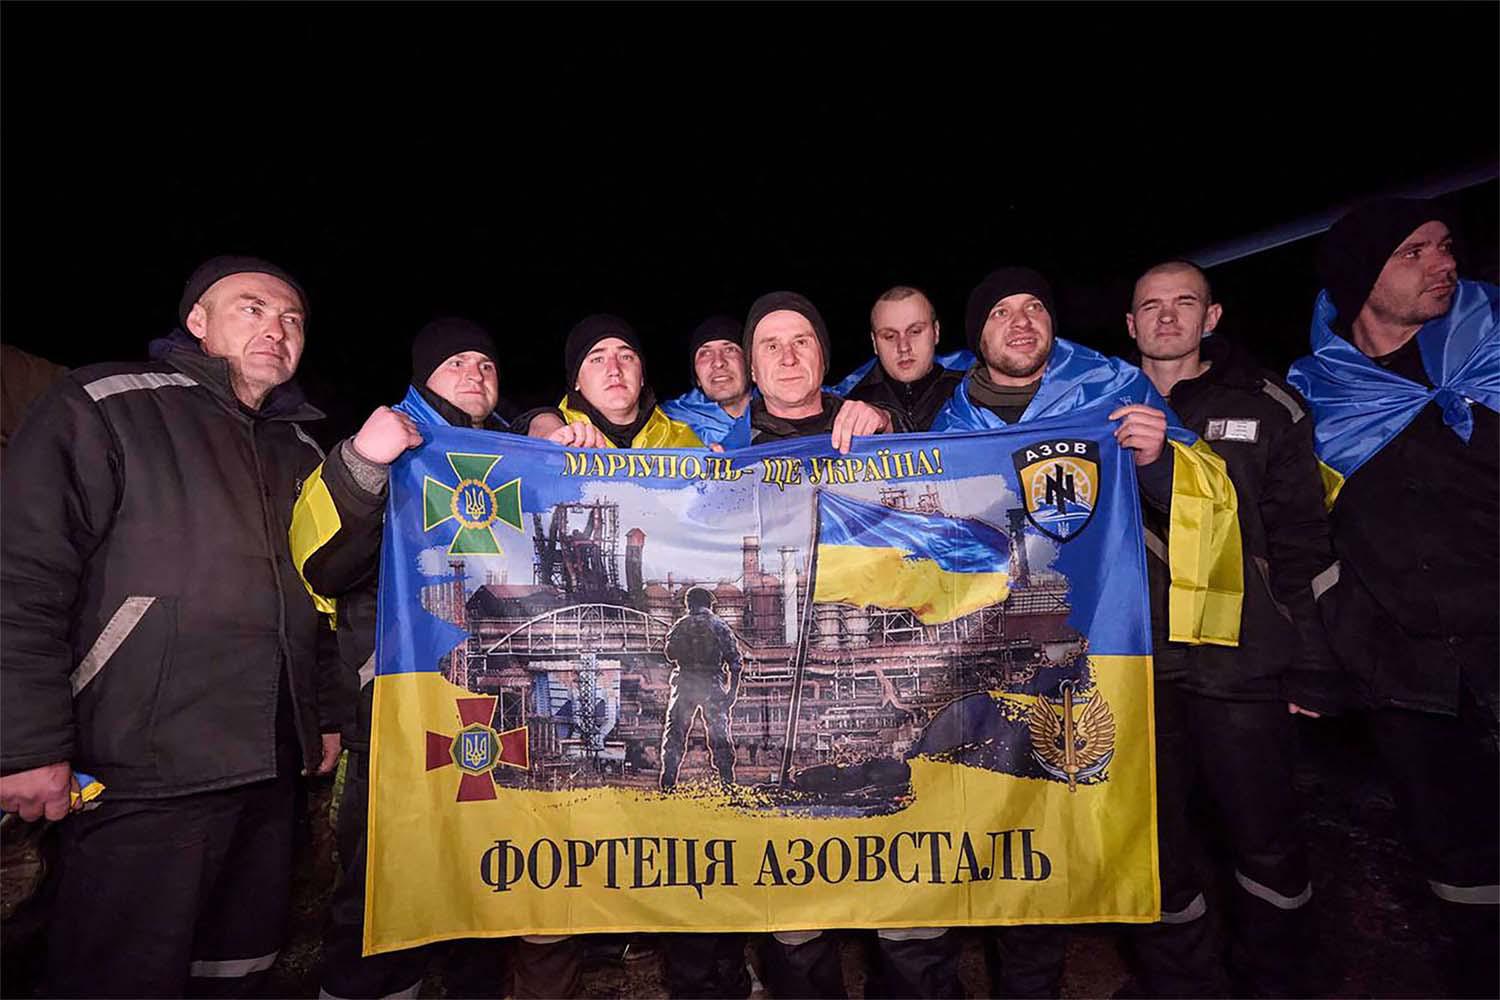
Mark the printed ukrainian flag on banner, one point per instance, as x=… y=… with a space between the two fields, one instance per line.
x=941 y=568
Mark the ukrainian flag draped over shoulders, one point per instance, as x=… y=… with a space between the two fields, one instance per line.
x=1203 y=544
x=1359 y=407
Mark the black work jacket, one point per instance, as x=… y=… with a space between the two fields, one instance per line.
x=150 y=608
x=1262 y=429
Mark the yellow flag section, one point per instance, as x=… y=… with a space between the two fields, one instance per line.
x=1203 y=549
x=970 y=847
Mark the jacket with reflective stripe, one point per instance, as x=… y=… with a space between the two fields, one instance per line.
x=149 y=601
x=660 y=431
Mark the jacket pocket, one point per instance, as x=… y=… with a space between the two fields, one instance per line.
x=117 y=683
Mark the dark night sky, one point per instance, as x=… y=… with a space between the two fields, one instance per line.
x=526 y=166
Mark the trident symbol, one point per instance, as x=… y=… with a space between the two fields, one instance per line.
x=474 y=504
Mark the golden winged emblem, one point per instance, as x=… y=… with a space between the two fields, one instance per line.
x=1072 y=748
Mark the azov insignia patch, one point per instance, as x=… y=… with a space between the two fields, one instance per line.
x=1059 y=485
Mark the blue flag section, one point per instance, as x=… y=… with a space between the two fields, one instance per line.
x=718 y=663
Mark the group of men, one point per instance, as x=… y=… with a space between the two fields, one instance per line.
x=171 y=535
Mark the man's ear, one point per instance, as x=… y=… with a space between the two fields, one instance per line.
x=873 y=346
x=1130 y=325
x=937 y=331
x=197 y=320
x=1212 y=317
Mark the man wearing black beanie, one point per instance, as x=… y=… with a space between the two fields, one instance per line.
x=336 y=533
x=718 y=405
x=609 y=404
x=157 y=638
x=1403 y=387
x=788 y=346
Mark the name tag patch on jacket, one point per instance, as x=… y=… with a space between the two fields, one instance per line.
x=1232 y=429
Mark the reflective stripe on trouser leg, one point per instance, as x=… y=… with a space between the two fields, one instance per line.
x=793 y=938
x=911 y=933
x=1471 y=895
x=232 y=968
x=1197 y=908
x=1269 y=895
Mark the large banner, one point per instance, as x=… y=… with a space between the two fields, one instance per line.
x=776 y=688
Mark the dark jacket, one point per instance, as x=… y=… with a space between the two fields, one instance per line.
x=765 y=426
x=1262 y=429
x=919 y=401
x=345 y=565
x=150 y=608
x=1413 y=612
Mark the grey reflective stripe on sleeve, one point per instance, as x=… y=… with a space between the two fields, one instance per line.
x=1279 y=394
x=1270 y=895
x=793 y=938
x=911 y=933
x=1156 y=546
x=113 y=385
x=1187 y=914
x=1473 y=895
x=410 y=993
x=1324 y=581
x=367 y=672
x=302 y=435
x=126 y=617
x=544 y=938
x=232 y=968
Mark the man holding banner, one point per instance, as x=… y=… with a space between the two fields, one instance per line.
x=1026 y=374
x=1404 y=382
x=336 y=539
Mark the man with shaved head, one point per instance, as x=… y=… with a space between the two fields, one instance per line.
x=908 y=375
x=1404 y=383
x=1231 y=704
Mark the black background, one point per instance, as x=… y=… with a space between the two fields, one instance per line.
x=528 y=165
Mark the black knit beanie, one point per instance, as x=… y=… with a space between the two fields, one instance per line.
x=777 y=301
x=1000 y=284
x=1355 y=250
x=216 y=268
x=714 y=328
x=441 y=339
x=588 y=332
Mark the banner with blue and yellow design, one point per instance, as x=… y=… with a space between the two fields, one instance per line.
x=773 y=688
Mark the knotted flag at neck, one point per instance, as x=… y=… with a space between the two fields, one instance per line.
x=1359 y=407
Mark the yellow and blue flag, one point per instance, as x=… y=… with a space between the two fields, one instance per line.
x=939 y=567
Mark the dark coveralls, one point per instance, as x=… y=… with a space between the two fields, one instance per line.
x=1410 y=609
x=1222 y=726
x=701 y=646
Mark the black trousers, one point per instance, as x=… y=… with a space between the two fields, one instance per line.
x=167 y=897
x=1238 y=757
x=1444 y=773
x=705 y=965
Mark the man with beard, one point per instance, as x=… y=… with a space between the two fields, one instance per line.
x=908 y=375
x=1404 y=383
x=335 y=536
x=156 y=636
x=1026 y=373
x=1224 y=704
x=717 y=409
x=610 y=405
